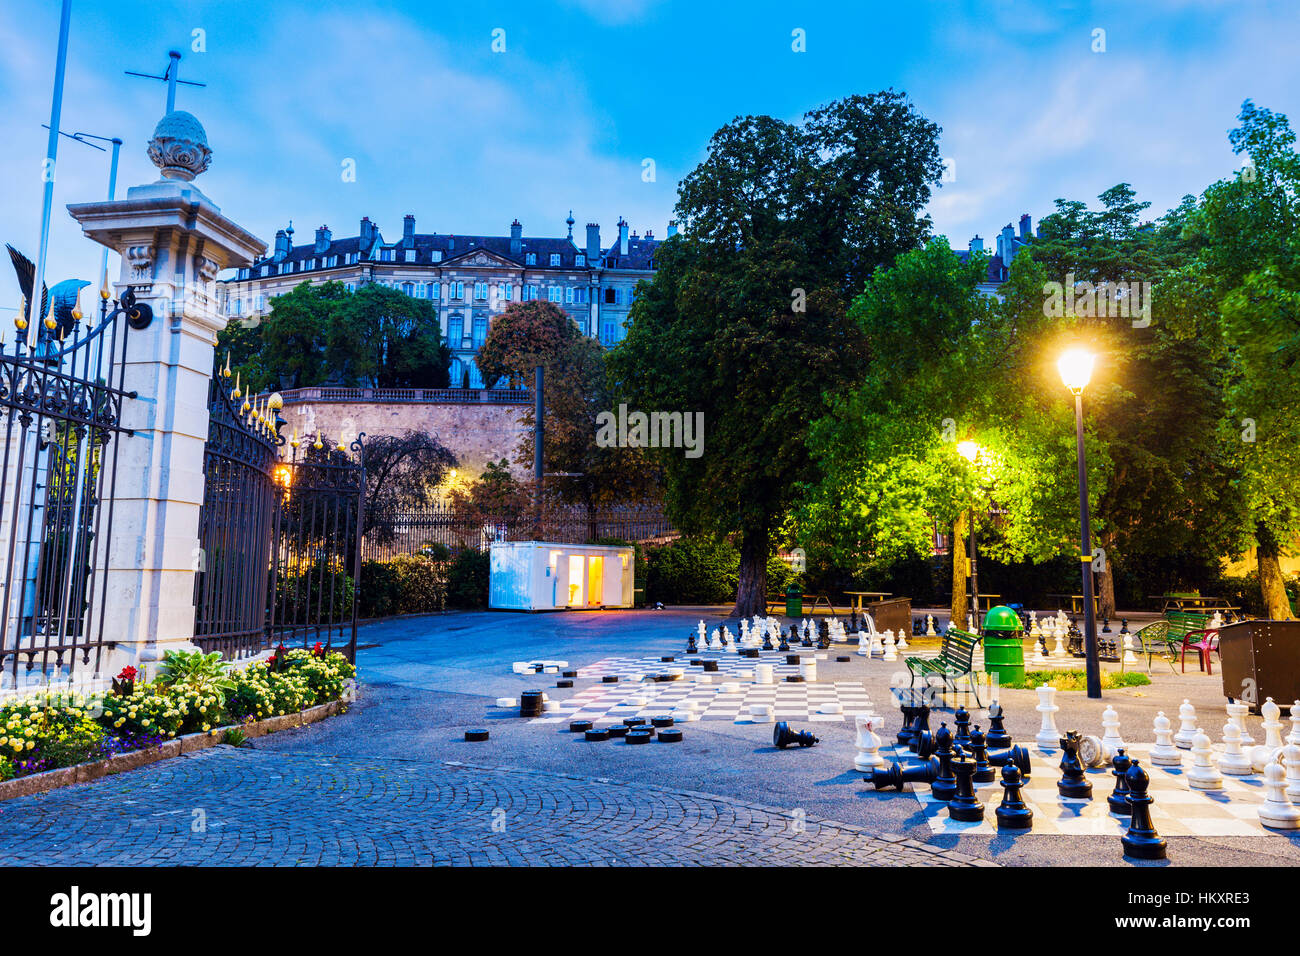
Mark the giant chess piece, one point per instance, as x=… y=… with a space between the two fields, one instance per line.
x=1237 y=714
x=961 y=738
x=891 y=651
x=944 y=786
x=1271 y=749
x=916 y=719
x=1016 y=756
x=965 y=806
x=783 y=736
x=1294 y=736
x=1059 y=651
x=1187 y=728
x=868 y=744
x=929 y=626
x=1277 y=812
x=984 y=772
x=1073 y=783
x=1111 y=741
x=1233 y=761
x=1203 y=775
x=895 y=776
x=784 y=645
x=1048 y=736
x=690 y=645
x=997 y=736
x=767 y=641
x=1092 y=753
x=1118 y=799
x=1141 y=842
x=1013 y=813
x=1164 y=753
x=1291 y=761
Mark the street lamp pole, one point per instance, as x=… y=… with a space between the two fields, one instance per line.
x=1076 y=369
x=970 y=451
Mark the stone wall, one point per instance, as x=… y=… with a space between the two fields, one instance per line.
x=475 y=433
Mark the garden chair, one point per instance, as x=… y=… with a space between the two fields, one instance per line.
x=1154 y=639
x=1209 y=641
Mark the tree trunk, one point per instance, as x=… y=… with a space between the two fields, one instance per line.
x=1106 y=585
x=751 y=591
x=1277 y=606
x=960 y=571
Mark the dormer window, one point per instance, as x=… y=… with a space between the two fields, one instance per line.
x=435 y=256
x=385 y=255
x=530 y=259
x=579 y=260
x=555 y=259
x=410 y=255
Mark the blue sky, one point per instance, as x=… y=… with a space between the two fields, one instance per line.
x=467 y=139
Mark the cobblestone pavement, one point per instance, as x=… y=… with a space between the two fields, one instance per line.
x=228 y=806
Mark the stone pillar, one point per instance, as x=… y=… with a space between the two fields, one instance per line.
x=173 y=241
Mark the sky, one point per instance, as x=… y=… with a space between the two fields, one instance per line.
x=438 y=124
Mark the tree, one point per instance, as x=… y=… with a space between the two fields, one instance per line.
x=745 y=320
x=324 y=334
x=1247 y=271
x=576 y=391
x=403 y=473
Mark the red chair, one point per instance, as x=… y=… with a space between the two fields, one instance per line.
x=1209 y=641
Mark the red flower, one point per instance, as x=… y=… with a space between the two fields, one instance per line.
x=128 y=673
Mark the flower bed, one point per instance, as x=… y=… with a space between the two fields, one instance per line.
x=192 y=694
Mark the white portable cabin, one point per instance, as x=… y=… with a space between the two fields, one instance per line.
x=541 y=576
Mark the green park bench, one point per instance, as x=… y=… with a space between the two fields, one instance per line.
x=951 y=664
x=1183 y=626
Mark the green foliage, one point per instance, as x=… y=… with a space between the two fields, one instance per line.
x=1075 y=679
x=1243 y=591
x=467 y=579
x=194 y=668
x=40 y=734
x=692 y=571
x=404 y=584
x=7 y=769
x=780 y=576
x=324 y=334
x=235 y=737
x=319 y=590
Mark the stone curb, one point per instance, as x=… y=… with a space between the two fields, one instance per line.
x=189 y=743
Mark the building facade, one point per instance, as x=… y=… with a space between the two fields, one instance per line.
x=1009 y=242
x=469 y=279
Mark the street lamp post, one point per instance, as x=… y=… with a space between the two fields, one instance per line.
x=1075 y=367
x=970 y=451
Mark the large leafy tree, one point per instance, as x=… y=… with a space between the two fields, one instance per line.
x=576 y=390
x=746 y=319
x=1247 y=271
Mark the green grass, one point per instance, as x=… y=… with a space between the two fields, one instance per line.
x=1074 y=680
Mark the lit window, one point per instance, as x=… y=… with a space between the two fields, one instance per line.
x=555 y=258
x=580 y=260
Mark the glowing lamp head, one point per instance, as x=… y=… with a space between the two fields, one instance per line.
x=1075 y=367
x=968 y=450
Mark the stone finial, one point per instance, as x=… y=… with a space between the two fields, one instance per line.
x=179 y=147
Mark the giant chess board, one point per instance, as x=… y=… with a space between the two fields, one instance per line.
x=729 y=665
x=1176 y=809
x=637 y=695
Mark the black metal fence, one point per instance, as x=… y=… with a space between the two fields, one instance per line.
x=61 y=399
x=416 y=532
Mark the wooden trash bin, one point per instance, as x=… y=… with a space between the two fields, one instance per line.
x=1261 y=659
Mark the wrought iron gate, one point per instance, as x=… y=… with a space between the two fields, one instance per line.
x=278 y=560
x=61 y=398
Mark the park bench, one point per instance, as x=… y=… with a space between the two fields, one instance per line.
x=951 y=664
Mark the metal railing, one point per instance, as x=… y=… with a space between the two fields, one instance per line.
x=431 y=396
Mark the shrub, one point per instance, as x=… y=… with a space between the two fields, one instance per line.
x=1243 y=591
x=780 y=576
x=311 y=591
x=467 y=579
x=693 y=571
x=406 y=584
x=166 y=711
x=7 y=770
x=308 y=678
x=37 y=735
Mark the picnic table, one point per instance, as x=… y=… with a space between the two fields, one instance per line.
x=1076 y=603
x=856 y=598
x=987 y=600
x=1174 y=601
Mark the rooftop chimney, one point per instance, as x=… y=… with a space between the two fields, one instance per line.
x=672 y=228
x=977 y=244
x=516 y=238
x=593 y=243
x=622 y=237
x=367 y=234
x=281 y=245
x=1026 y=226
x=323 y=237
x=408 y=231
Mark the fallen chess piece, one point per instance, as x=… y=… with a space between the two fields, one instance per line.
x=895 y=776
x=1017 y=757
x=783 y=736
x=1141 y=842
x=1092 y=752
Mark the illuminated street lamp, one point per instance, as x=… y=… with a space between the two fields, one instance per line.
x=1075 y=367
x=971 y=451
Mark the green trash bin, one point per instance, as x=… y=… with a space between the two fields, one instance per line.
x=793 y=601
x=1004 y=648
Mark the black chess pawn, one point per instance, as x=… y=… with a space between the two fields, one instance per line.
x=1118 y=799
x=962 y=719
x=690 y=644
x=767 y=641
x=944 y=786
x=1013 y=813
x=1141 y=842
x=784 y=644
x=853 y=621
x=984 y=772
x=1123 y=625
x=1074 y=782
x=996 y=736
x=1105 y=625
x=964 y=806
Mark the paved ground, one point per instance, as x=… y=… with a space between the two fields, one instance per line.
x=393 y=781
